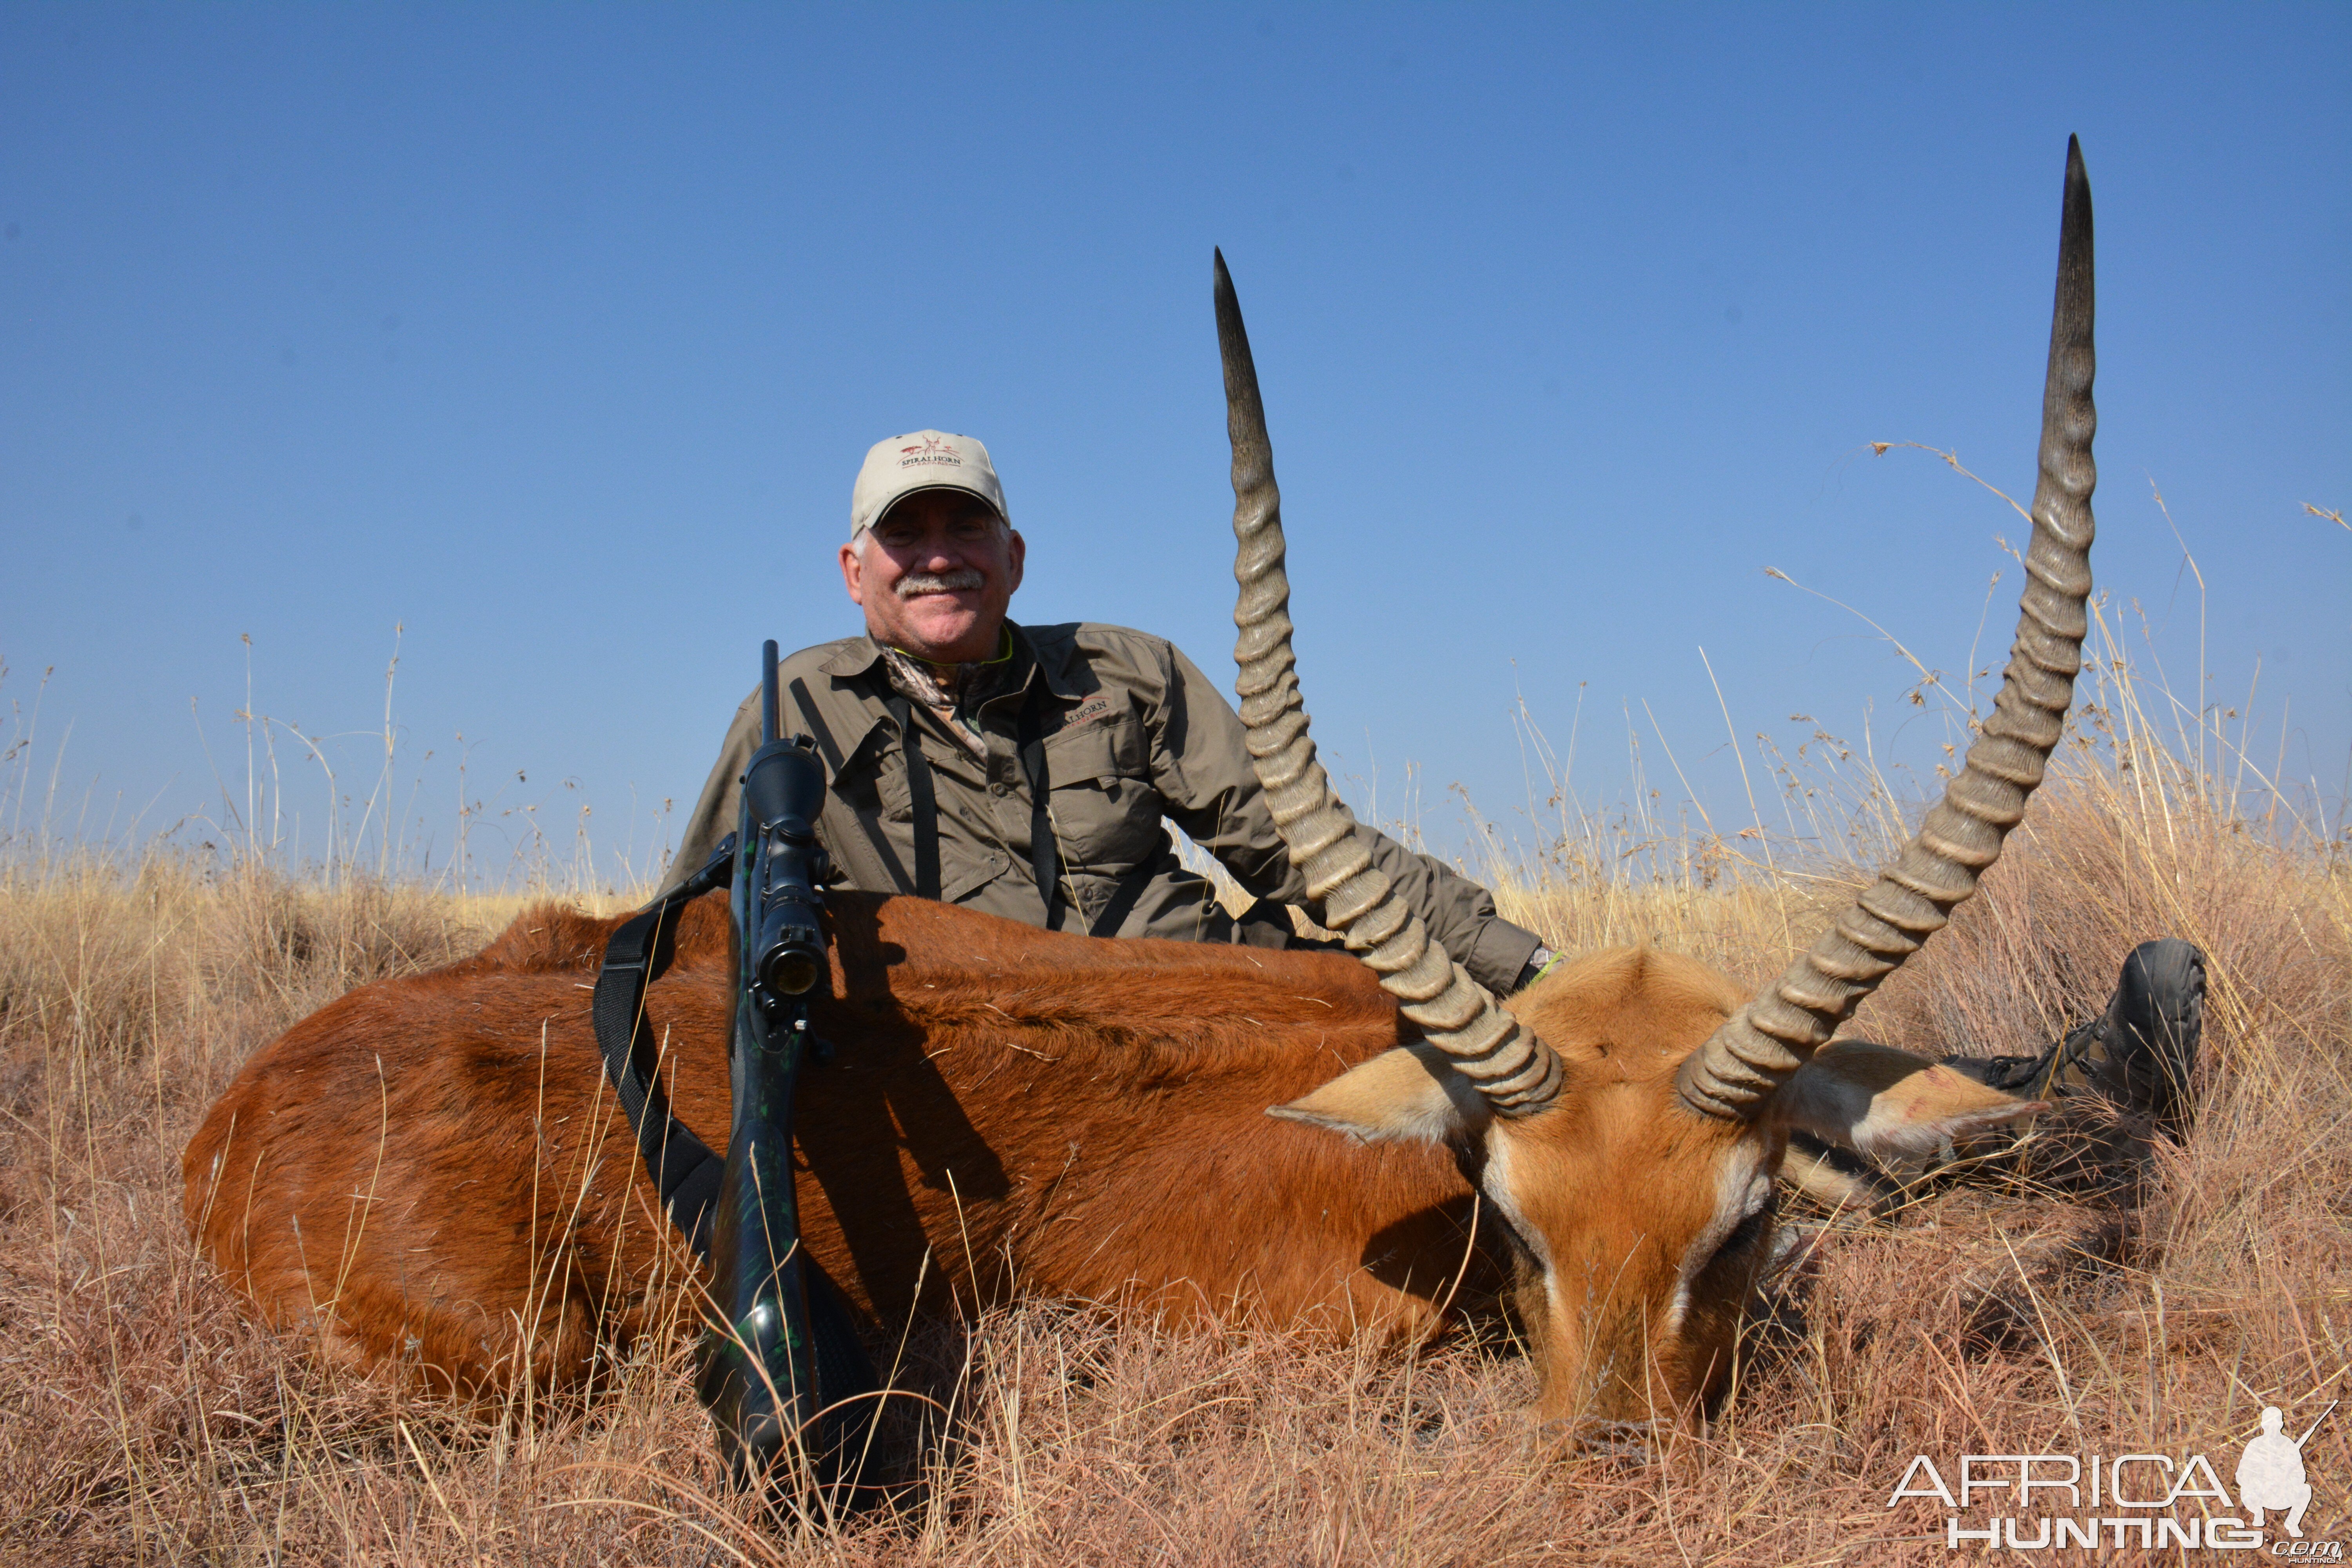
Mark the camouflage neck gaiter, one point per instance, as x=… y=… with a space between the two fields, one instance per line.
x=954 y=692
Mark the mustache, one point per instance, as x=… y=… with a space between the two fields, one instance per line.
x=963 y=579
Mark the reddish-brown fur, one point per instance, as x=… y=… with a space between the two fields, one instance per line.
x=1619 y=1178
x=432 y=1170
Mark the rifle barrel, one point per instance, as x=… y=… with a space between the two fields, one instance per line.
x=767 y=691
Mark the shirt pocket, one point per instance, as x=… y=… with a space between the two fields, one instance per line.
x=954 y=777
x=1106 y=809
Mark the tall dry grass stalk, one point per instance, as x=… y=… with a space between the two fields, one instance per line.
x=142 y=1419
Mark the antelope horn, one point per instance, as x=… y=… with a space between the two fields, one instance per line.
x=1518 y=1073
x=1761 y=1045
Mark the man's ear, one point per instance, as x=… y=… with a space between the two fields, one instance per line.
x=1016 y=551
x=853 y=570
x=1889 y=1105
x=1407 y=1094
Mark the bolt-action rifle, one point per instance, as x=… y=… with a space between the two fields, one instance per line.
x=759 y=1376
x=783 y=1375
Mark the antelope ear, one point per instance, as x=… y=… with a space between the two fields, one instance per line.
x=1889 y=1105
x=1407 y=1094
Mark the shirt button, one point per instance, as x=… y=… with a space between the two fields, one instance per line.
x=999 y=789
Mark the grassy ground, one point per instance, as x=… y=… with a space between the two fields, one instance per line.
x=144 y=1420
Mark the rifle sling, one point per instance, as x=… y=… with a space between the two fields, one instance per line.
x=684 y=1172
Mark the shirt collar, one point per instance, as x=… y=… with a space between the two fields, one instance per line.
x=1056 y=665
x=852 y=656
x=859 y=655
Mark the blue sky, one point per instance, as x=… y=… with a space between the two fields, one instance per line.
x=555 y=335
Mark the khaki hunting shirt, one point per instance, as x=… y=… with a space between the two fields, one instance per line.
x=1132 y=733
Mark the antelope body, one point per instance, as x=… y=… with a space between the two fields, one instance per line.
x=430 y=1173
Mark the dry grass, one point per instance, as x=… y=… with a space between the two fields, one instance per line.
x=144 y=1420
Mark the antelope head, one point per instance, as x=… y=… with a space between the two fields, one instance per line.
x=1627 y=1115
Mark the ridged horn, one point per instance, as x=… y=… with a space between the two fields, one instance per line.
x=1518 y=1073
x=1761 y=1045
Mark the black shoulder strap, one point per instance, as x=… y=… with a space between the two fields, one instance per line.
x=921 y=796
x=1045 y=852
x=686 y=1173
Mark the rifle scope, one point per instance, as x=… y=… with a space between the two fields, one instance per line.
x=783 y=792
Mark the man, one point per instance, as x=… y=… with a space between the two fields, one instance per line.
x=1026 y=771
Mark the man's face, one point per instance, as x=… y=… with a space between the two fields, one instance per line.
x=934 y=576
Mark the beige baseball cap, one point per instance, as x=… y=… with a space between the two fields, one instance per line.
x=925 y=460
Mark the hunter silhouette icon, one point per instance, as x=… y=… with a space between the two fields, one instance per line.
x=2270 y=1472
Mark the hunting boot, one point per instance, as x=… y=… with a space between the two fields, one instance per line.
x=2116 y=1082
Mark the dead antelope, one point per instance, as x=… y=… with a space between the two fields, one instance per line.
x=429 y=1173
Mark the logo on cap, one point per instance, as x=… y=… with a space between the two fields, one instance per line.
x=932 y=449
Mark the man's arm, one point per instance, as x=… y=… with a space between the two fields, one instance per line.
x=715 y=813
x=1213 y=794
